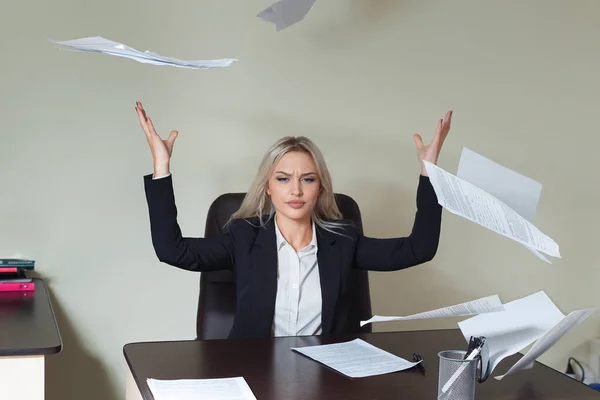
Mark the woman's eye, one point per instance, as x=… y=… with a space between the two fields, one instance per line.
x=282 y=179
x=309 y=180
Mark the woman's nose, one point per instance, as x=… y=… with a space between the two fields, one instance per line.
x=297 y=188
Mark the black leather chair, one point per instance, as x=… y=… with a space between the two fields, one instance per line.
x=217 y=300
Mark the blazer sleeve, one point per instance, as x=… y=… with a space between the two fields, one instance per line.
x=193 y=254
x=419 y=247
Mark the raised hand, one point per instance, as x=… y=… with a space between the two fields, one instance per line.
x=431 y=151
x=161 y=149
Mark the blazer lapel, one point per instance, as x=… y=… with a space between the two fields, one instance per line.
x=328 y=257
x=263 y=253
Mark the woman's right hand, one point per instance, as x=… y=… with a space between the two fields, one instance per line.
x=161 y=149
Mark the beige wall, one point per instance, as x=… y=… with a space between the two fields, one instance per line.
x=359 y=77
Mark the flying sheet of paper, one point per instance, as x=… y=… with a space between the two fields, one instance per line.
x=479 y=306
x=356 y=358
x=522 y=322
x=193 y=389
x=286 y=12
x=99 y=44
x=517 y=191
x=549 y=339
x=467 y=200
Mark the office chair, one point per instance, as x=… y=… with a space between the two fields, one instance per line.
x=217 y=300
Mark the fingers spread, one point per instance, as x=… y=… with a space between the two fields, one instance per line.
x=447 y=122
x=143 y=121
x=418 y=141
x=171 y=139
x=151 y=127
x=448 y=116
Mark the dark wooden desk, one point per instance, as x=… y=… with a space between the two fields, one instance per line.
x=27 y=323
x=28 y=333
x=274 y=372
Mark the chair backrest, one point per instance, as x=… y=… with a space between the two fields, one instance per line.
x=217 y=300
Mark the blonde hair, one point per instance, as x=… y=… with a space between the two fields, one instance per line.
x=257 y=203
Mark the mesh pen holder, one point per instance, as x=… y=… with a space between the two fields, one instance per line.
x=456 y=379
x=457 y=376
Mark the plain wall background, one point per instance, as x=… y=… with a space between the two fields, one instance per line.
x=359 y=77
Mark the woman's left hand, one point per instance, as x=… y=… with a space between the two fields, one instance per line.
x=431 y=152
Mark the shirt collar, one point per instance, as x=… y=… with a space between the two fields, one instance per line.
x=282 y=242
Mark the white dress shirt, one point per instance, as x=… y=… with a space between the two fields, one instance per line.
x=298 y=301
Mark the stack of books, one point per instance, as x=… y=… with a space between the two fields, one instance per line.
x=13 y=275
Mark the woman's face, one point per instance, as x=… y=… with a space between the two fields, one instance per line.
x=294 y=186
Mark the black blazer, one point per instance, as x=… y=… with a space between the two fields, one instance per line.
x=250 y=251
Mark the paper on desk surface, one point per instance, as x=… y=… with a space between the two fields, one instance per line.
x=194 y=389
x=99 y=44
x=479 y=306
x=286 y=12
x=549 y=339
x=517 y=191
x=356 y=358
x=469 y=201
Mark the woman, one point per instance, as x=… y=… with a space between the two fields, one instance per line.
x=287 y=245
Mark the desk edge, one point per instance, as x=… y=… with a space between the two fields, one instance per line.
x=39 y=351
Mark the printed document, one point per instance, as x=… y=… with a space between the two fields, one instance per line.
x=517 y=191
x=193 y=389
x=356 y=358
x=479 y=306
x=469 y=201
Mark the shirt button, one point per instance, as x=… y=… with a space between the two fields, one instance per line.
x=295 y=286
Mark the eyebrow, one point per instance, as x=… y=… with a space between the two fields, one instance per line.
x=306 y=174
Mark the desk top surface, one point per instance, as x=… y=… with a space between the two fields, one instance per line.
x=275 y=372
x=27 y=323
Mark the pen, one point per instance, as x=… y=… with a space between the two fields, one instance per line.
x=474 y=344
x=417 y=358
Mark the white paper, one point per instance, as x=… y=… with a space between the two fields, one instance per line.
x=286 y=12
x=517 y=191
x=524 y=321
x=356 y=358
x=469 y=201
x=537 y=254
x=99 y=44
x=194 y=389
x=479 y=306
x=549 y=339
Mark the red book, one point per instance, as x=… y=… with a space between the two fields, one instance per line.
x=16 y=287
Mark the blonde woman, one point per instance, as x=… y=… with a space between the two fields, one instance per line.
x=287 y=245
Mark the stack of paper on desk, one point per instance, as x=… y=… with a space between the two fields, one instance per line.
x=475 y=204
x=479 y=306
x=100 y=45
x=356 y=359
x=524 y=321
x=207 y=389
